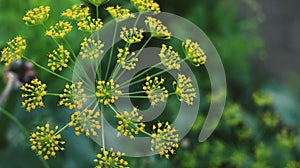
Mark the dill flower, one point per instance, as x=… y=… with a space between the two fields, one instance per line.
x=86 y=121
x=118 y=13
x=59 y=58
x=261 y=98
x=13 y=51
x=129 y=123
x=157 y=29
x=146 y=5
x=37 y=15
x=194 y=53
x=46 y=142
x=107 y=91
x=97 y=2
x=184 y=89
x=76 y=13
x=169 y=57
x=164 y=139
x=133 y=35
x=155 y=91
x=110 y=159
x=73 y=96
x=287 y=139
x=89 y=25
x=34 y=93
x=91 y=49
x=127 y=59
x=59 y=30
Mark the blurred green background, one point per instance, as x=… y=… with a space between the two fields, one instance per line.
x=258 y=45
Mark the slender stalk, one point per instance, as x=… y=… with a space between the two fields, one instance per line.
x=136 y=97
x=52 y=94
x=111 y=51
x=102 y=132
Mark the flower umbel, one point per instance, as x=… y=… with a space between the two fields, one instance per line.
x=127 y=59
x=59 y=58
x=194 y=53
x=73 y=96
x=76 y=13
x=59 y=30
x=89 y=25
x=164 y=139
x=110 y=159
x=34 y=93
x=129 y=123
x=155 y=91
x=107 y=91
x=13 y=51
x=91 y=49
x=133 y=35
x=184 y=89
x=169 y=57
x=119 y=14
x=46 y=142
x=146 y=5
x=37 y=15
x=157 y=29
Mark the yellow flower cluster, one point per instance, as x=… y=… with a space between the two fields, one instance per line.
x=91 y=49
x=110 y=159
x=129 y=123
x=107 y=92
x=59 y=58
x=287 y=139
x=169 y=57
x=76 y=13
x=261 y=98
x=86 y=121
x=146 y=5
x=184 y=89
x=13 y=51
x=37 y=15
x=97 y=2
x=119 y=14
x=46 y=142
x=73 y=96
x=133 y=35
x=89 y=25
x=34 y=93
x=155 y=91
x=59 y=30
x=157 y=29
x=127 y=59
x=194 y=53
x=164 y=139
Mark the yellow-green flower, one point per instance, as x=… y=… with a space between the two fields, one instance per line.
x=97 y=2
x=59 y=58
x=73 y=96
x=107 y=92
x=86 y=121
x=133 y=35
x=169 y=57
x=157 y=29
x=110 y=159
x=59 y=30
x=184 y=89
x=76 y=13
x=194 y=53
x=37 y=15
x=155 y=91
x=164 y=139
x=13 y=51
x=89 y=25
x=287 y=139
x=34 y=93
x=46 y=142
x=91 y=49
x=262 y=98
x=126 y=59
x=130 y=123
x=119 y=14
x=146 y=5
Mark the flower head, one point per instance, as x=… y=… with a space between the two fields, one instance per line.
x=146 y=5
x=59 y=58
x=89 y=25
x=59 y=30
x=34 y=93
x=13 y=51
x=261 y=98
x=157 y=29
x=37 y=15
x=155 y=91
x=46 y=142
x=97 y=2
x=73 y=96
x=287 y=139
x=133 y=35
x=129 y=123
x=110 y=159
x=184 y=89
x=169 y=57
x=127 y=59
x=194 y=53
x=91 y=49
x=119 y=14
x=107 y=92
x=76 y=13
x=164 y=139
x=86 y=121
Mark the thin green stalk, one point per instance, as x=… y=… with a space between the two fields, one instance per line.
x=102 y=123
x=111 y=51
x=52 y=94
x=135 y=97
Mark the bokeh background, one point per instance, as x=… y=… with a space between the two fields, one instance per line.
x=258 y=44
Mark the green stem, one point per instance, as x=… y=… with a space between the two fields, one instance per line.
x=52 y=94
x=135 y=97
x=146 y=133
x=111 y=51
x=102 y=123
x=59 y=131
